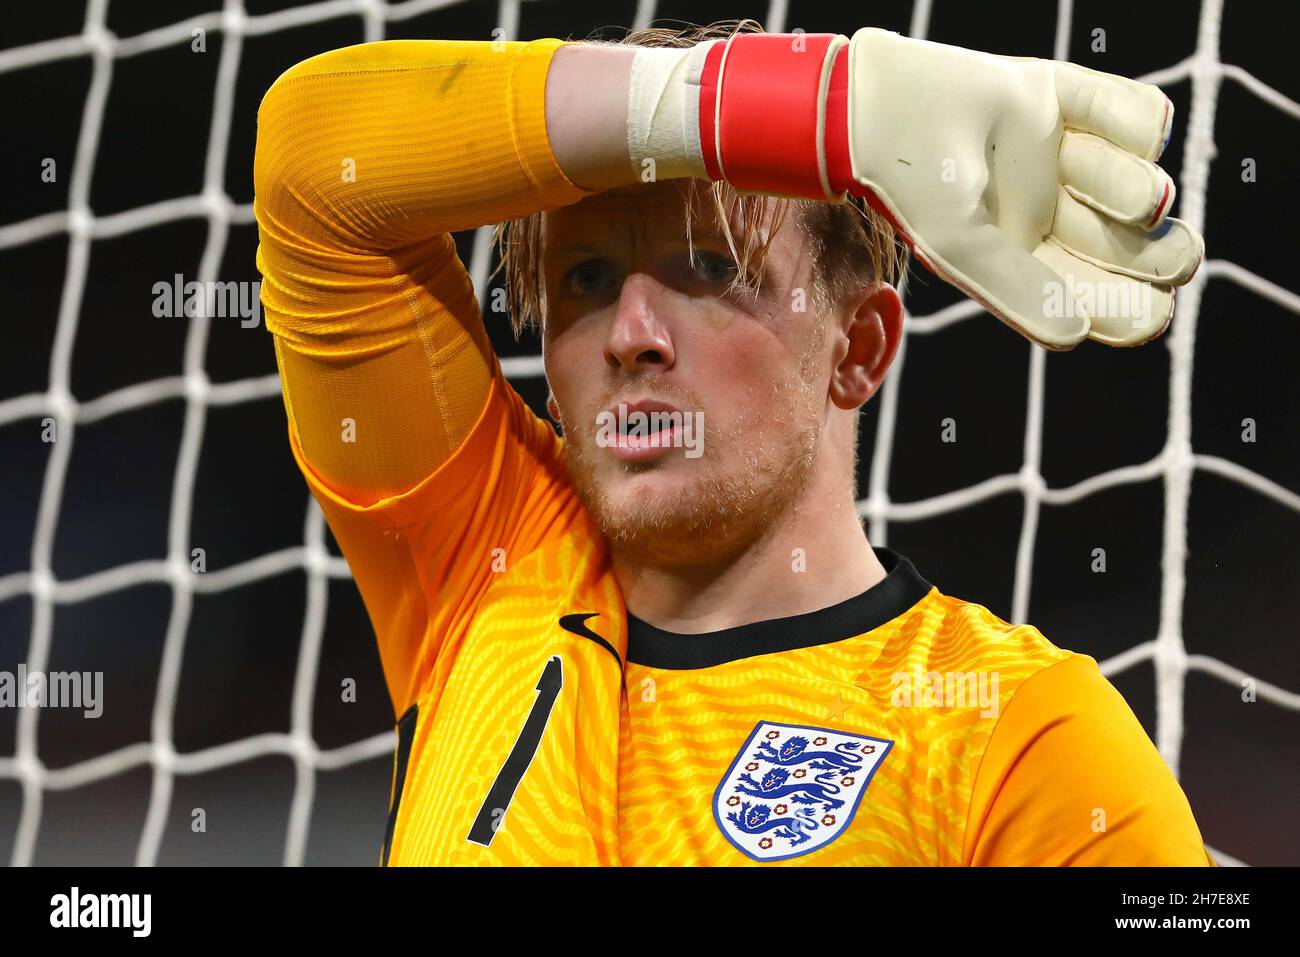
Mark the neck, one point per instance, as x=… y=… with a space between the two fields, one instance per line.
x=814 y=555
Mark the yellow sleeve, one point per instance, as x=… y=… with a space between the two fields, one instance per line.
x=417 y=448
x=1069 y=777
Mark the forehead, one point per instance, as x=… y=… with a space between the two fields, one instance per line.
x=649 y=212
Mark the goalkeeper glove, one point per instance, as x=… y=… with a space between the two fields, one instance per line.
x=1028 y=184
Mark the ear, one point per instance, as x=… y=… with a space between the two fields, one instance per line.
x=553 y=408
x=870 y=342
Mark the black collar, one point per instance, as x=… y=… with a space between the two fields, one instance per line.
x=900 y=589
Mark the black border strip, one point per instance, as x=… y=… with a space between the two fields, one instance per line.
x=405 y=738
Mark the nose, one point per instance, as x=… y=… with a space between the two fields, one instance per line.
x=638 y=339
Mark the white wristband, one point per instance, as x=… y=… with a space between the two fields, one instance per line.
x=663 y=113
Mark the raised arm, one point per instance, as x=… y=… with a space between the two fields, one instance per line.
x=371 y=154
x=367 y=158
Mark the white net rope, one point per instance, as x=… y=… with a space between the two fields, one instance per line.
x=1176 y=462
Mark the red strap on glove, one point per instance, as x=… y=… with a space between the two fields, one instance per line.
x=759 y=98
x=838 y=168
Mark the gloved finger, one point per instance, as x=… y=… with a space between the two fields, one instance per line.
x=992 y=268
x=1135 y=116
x=1121 y=311
x=1168 y=255
x=1114 y=181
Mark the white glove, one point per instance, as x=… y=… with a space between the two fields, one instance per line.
x=1027 y=183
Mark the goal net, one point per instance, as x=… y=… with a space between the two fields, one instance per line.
x=997 y=484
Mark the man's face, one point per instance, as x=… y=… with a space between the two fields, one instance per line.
x=632 y=320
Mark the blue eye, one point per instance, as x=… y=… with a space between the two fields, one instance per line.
x=587 y=277
x=714 y=267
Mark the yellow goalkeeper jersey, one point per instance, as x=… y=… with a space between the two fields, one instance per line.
x=540 y=723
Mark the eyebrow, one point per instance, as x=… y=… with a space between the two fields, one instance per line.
x=576 y=248
x=704 y=232
x=701 y=233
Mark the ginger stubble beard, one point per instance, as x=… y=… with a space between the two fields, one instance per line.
x=717 y=515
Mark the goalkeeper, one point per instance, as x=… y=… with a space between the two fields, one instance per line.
x=662 y=637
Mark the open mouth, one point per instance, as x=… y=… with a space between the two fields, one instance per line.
x=643 y=428
x=658 y=435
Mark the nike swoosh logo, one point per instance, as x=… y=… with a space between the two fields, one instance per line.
x=577 y=625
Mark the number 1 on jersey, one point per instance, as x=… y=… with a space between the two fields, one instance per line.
x=493 y=812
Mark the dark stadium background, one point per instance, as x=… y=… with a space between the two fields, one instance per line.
x=1104 y=409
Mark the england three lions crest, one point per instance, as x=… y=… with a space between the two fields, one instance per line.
x=793 y=789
